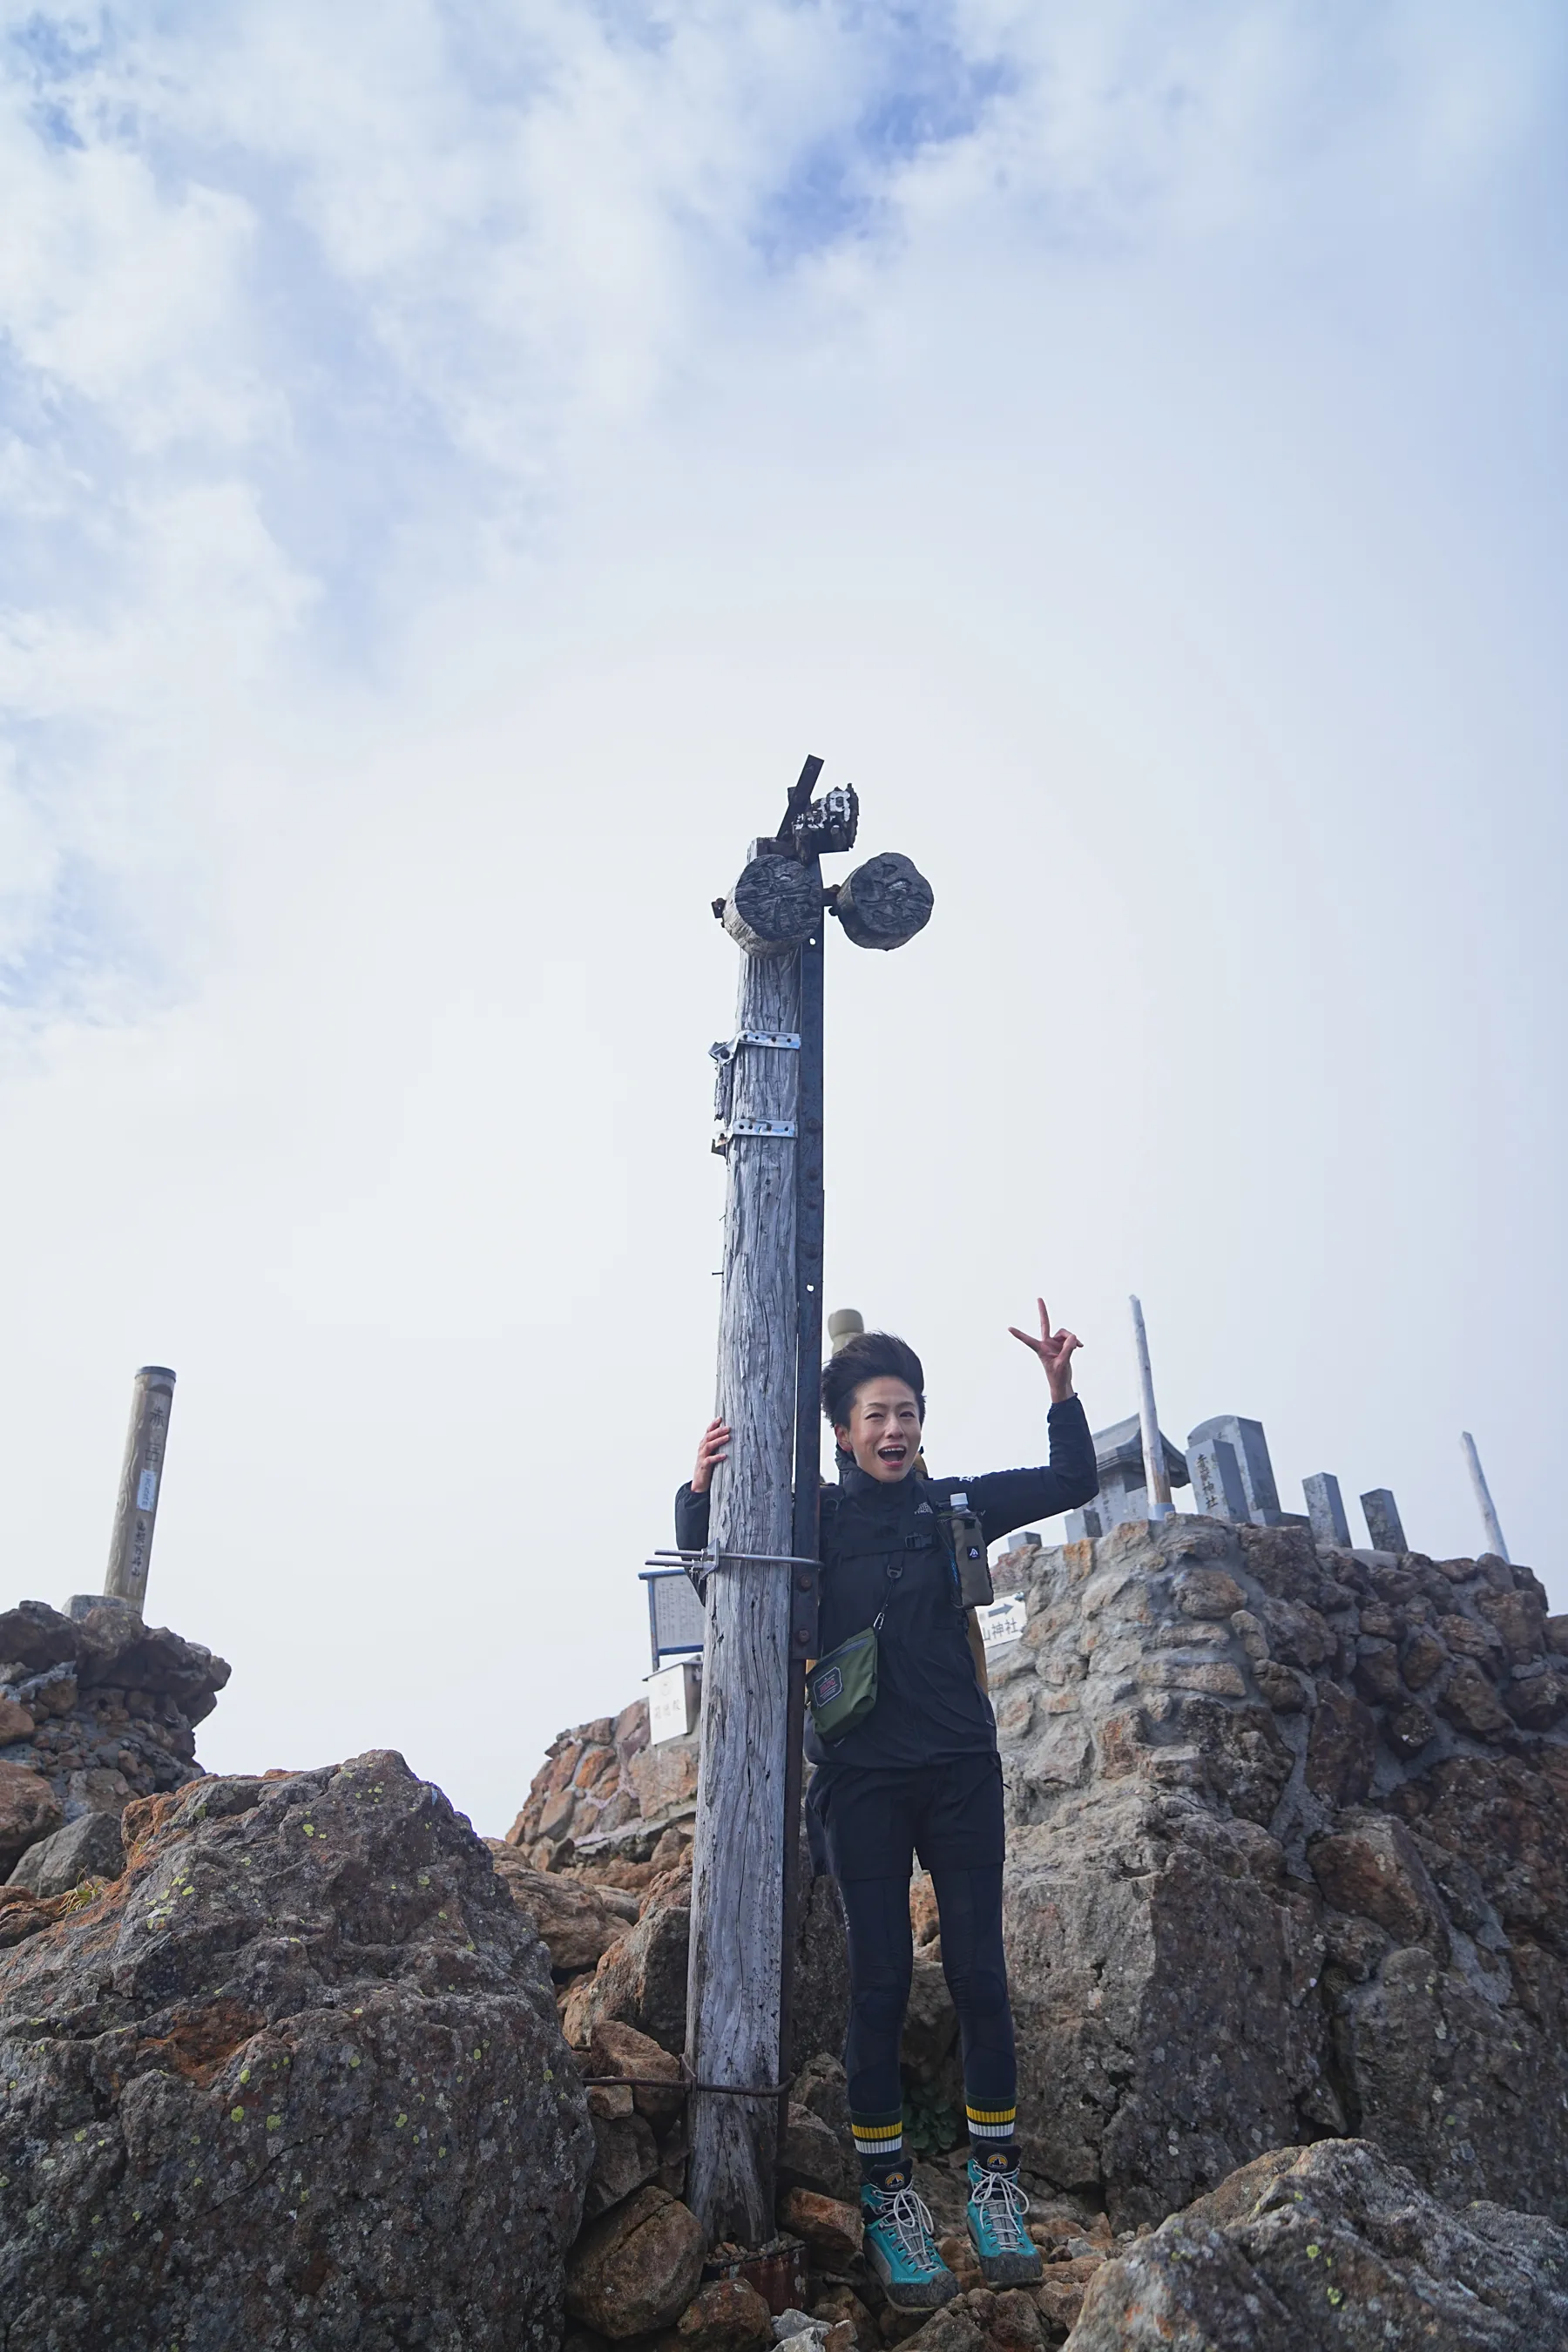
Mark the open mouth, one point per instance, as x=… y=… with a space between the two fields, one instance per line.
x=892 y=1453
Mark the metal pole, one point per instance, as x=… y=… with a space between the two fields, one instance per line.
x=1484 y=1503
x=1156 y=1477
x=808 y=1240
x=141 y=1477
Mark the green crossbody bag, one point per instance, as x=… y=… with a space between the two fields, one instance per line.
x=841 y=1688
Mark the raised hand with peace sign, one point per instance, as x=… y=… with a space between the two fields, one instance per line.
x=1055 y=1351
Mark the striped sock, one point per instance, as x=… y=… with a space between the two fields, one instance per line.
x=878 y=2143
x=992 y=2134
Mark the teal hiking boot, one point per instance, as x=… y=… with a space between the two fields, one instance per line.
x=994 y=2213
x=899 y=2248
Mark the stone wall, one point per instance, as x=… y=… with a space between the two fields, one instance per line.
x=94 y=1711
x=1288 y=1859
x=598 y=1779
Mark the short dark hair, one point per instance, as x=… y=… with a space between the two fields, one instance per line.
x=868 y=1356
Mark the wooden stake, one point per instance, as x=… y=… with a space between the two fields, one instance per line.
x=1483 y=1496
x=738 y=1860
x=1156 y=1477
x=141 y=1477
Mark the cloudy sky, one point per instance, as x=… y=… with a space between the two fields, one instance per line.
x=458 y=460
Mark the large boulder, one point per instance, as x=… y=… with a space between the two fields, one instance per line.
x=33 y=1637
x=1338 y=2248
x=295 y=2079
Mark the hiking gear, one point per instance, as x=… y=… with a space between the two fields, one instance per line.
x=879 y=2139
x=900 y=2250
x=988 y=2126
x=841 y=1688
x=994 y=2217
x=930 y=1706
x=876 y=1918
x=874 y=1823
x=966 y=1538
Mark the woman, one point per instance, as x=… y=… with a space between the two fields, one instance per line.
x=920 y=1774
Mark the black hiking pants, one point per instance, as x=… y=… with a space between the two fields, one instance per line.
x=870 y=1825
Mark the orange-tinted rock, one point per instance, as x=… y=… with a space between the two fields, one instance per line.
x=1208 y=1592
x=574 y=1921
x=1014 y=2322
x=1422 y=1656
x=725 y=2315
x=615 y=2048
x=830 y=2228
x=1469 y=1702
x=596 y=1767
x=637 y=2268
x=1517 y=1620
x=1371 y=1867
x=29 y=1811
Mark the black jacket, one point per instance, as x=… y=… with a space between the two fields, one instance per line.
x=880 y=1550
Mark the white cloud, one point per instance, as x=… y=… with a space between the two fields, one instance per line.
x=459 y=460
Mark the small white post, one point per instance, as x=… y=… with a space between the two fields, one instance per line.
x=1156 y=1477
x=1484 y=1503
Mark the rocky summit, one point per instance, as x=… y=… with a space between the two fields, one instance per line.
x=1286 y=1902
x=293 y=2082
x=298 y=2061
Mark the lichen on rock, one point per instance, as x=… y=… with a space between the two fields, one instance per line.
x=294 y=2081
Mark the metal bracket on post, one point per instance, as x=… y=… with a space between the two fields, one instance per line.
x=696 y=1563
x=726 y=1049
x=804 y=1609
x=723 y=1051
x=781 y=1127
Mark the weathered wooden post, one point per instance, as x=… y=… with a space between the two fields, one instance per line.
x=1156 y=1477
x=140 y=1476
x=738 y=1878
x=1483 y=1494
x=763 y=1529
